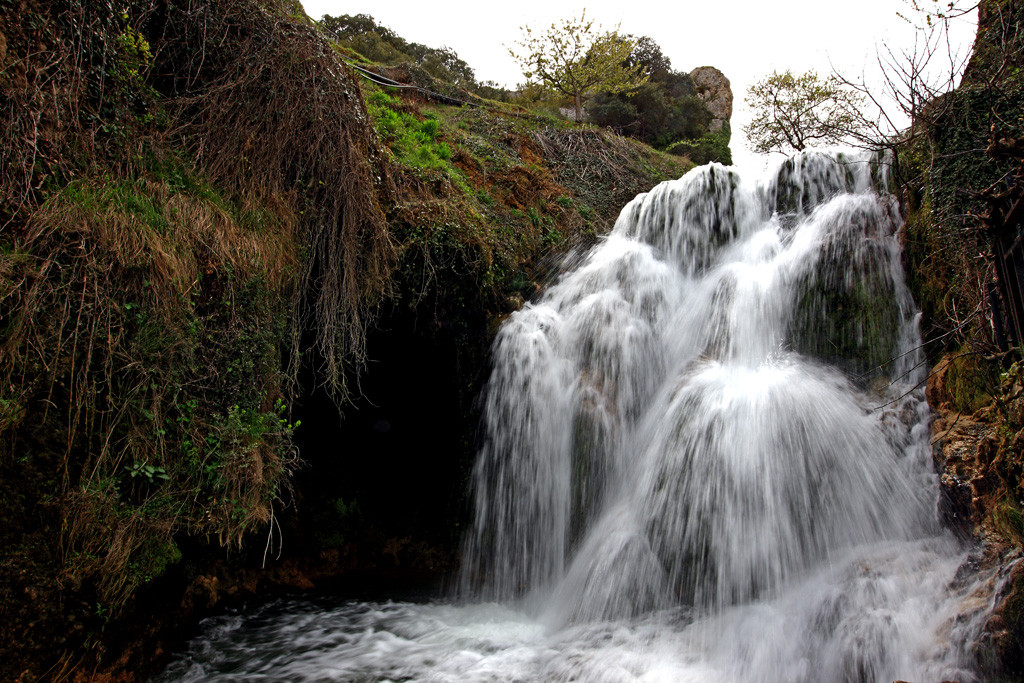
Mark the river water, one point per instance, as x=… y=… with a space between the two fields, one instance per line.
x=705 y=457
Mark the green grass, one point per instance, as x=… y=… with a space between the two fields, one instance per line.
x=123 y=196
x=413 y=142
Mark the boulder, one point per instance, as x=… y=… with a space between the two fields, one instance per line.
x=714 y=89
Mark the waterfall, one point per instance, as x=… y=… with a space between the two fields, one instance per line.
x=705 y=458
x=716 y=402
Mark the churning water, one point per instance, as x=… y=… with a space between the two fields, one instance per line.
x=705 y=458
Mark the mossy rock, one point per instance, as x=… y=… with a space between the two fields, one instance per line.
x=971 y=381
x=847 y=311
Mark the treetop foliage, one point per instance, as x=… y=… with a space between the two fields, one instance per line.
x=793 y=112
x=575 y=58
x=649 y=56
x=935 y=11
x=363 y=34
x=664 y=112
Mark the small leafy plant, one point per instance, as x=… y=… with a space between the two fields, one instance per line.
x=151 y=473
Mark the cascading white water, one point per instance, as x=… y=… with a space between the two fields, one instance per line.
x=714 y=405
x=705 y=458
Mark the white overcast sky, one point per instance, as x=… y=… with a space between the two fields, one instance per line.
x=746 y=39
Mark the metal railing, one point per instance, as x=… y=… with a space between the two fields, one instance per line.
x=429 y=94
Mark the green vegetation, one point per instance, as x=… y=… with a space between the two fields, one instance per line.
x=645 y=100
x=576 y=59
x=706 y=148
x=363 y=37
x=158 y=292
x=492 y=191
x=664 y=112
x=792 y=112
x=412 y=142
x=947 y=162
x=971 y=381
x=167 y=341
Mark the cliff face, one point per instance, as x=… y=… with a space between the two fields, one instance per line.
x=964 y=157
x=209 y=234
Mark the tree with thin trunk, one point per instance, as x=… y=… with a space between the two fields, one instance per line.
x=576 y=59
x=793 y=112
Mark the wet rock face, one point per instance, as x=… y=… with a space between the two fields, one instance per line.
x=713 y=87
x=975 y=453
x=978 y=458
x=960 y=445
x=1000 y=652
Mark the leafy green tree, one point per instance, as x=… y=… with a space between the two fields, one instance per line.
x=662 y=111
x=363 y=34
x=793 y=112
x=348 y=26
x=650 y=113
x=443 y=63
x=648 y=54
x=576 y=59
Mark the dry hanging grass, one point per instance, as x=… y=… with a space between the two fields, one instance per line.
x=128 y=285
x=114 y=297
x=280 y=116
x=41 y=88
x=174 y=172
x=175 y=236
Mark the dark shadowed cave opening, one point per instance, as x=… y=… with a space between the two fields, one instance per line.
x=384 y=480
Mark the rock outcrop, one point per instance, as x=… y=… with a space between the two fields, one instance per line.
x=714 y=89
x=978 y=457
